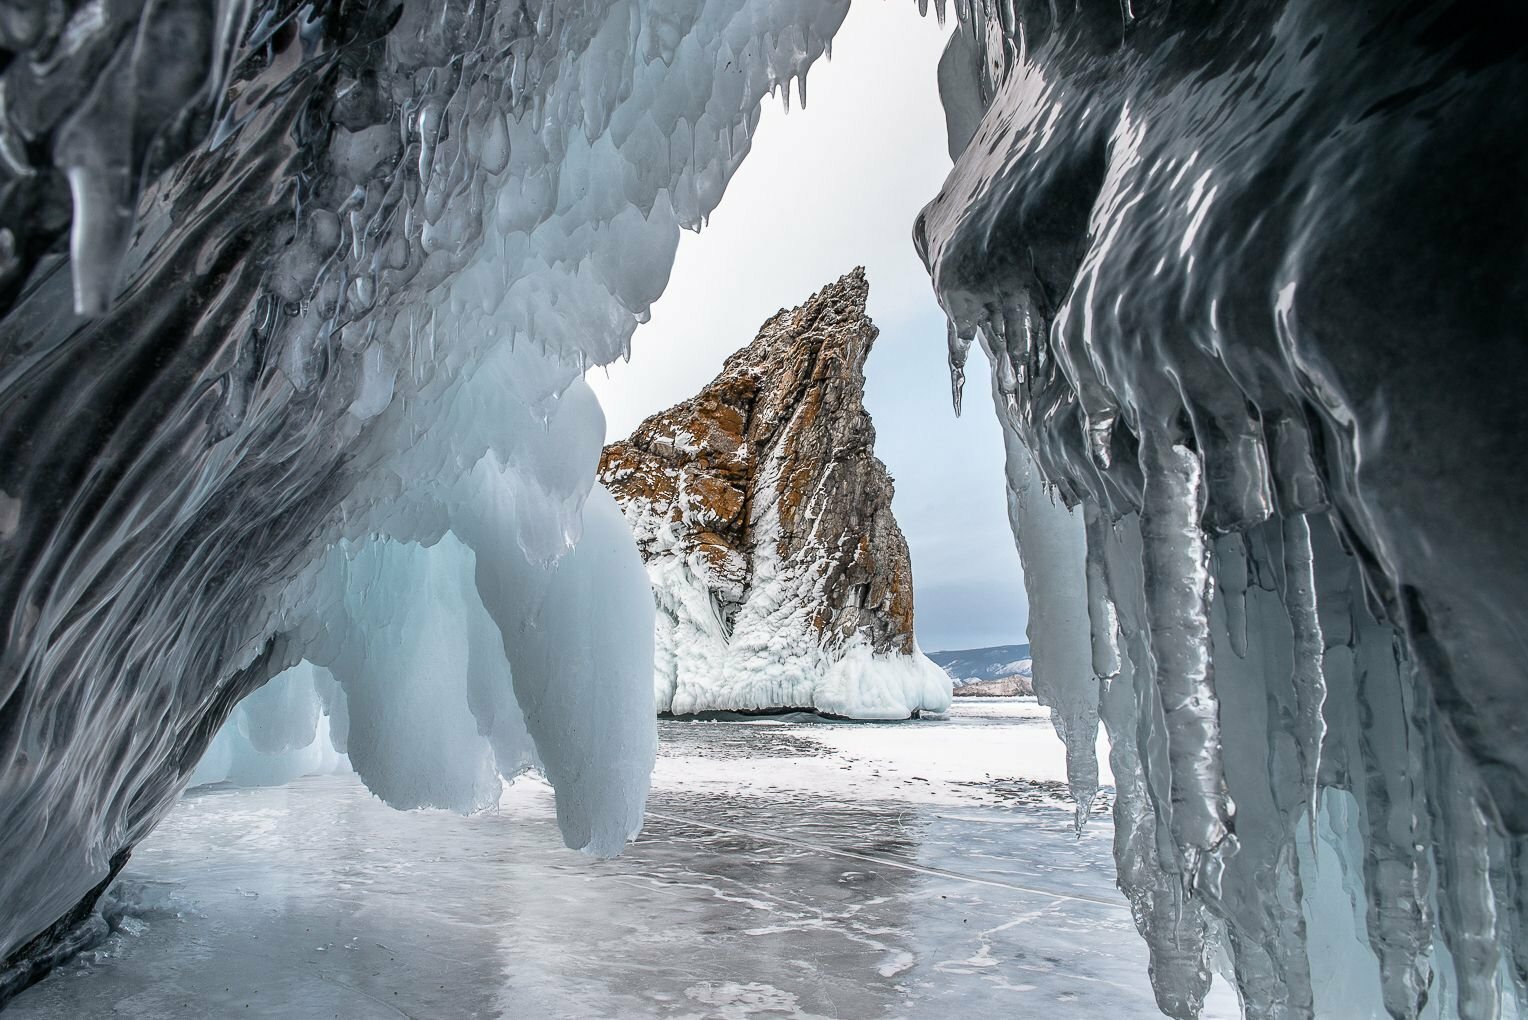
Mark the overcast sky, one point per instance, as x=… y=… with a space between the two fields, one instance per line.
x=825 y=189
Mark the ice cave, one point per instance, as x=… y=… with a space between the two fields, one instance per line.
x=299 y=469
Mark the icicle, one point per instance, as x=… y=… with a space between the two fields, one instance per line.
x=1466 y=906
x=959 y=348
x=1514 y=866
x=1309 y=681
x=1178 y=593
x=1262 y=887
x=1232 y=588
x=1172 y=924
x=1101 y=613
x=1053 y=552
x=1396 y=871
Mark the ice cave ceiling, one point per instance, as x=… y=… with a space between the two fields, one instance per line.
x=290 y=291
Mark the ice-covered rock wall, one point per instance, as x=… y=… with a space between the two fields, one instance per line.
x=295 y=300
x=764 y=518
x=1251 y=278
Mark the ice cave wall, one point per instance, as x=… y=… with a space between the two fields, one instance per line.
x=295 y=300
x=296 y=725
x=1250 y=279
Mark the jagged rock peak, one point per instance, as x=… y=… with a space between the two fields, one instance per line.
x=764 y=517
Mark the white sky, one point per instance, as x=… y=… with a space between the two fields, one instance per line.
x=823 y=190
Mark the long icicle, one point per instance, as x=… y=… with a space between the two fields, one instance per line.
x=1178 y=593
x=1309 y=680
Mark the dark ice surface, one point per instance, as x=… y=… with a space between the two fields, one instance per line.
x=779 y=874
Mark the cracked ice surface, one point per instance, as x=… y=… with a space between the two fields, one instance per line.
x=841 y=879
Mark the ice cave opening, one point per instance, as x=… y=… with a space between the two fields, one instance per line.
x=296 y=302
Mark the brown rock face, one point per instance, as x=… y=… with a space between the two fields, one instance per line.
x=763 y=491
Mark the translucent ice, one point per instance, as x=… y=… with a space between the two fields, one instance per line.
x=1234 y=271
x=293 y=726
x=306 y=391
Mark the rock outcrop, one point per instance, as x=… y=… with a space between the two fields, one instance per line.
x=764 y=518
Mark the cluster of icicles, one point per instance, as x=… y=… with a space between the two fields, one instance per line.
x=1291 y=806
x=1282 y=798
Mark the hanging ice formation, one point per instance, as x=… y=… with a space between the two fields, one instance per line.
x=1250 y=279
x=296 y=725
x=296 y=297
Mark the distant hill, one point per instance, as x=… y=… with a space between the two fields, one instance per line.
x=975 y=665
x=1008 y=687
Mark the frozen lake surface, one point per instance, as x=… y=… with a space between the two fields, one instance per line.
x=789 y=868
